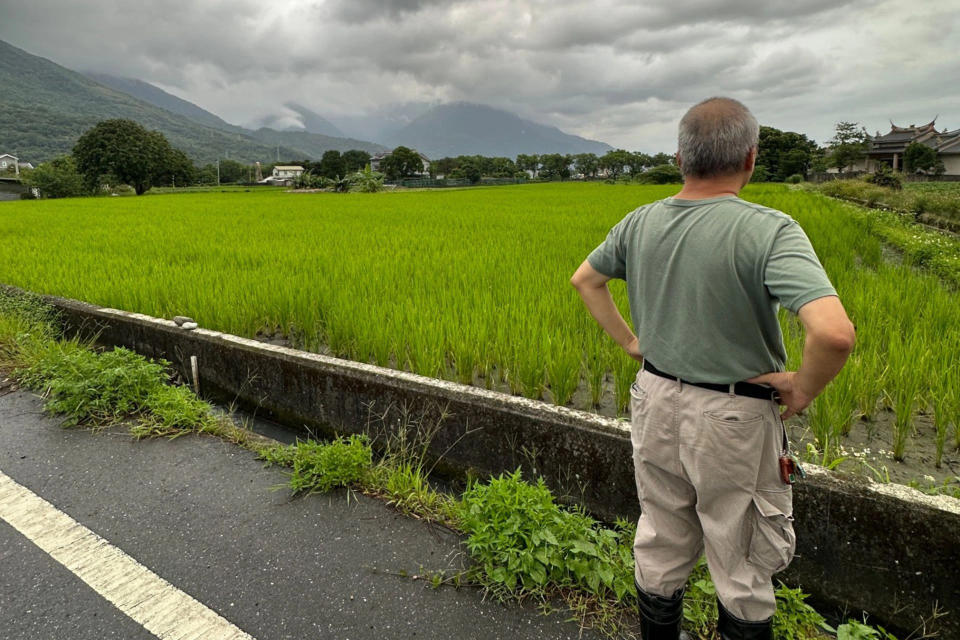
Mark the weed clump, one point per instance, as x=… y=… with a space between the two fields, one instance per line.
x=523 y=541
x=319 y=467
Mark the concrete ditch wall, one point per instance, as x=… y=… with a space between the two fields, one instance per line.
x=884 y=549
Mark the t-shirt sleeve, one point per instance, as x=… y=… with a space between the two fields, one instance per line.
x=793 y=274
x=610 y=257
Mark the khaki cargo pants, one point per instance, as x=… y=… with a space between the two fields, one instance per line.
x=708 y=479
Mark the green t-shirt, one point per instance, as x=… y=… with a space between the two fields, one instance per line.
x=705 y=279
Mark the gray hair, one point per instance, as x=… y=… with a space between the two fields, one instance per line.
x=715 y=137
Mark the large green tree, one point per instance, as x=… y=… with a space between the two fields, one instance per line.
x=401 y=162
x=919 y=157
x=332 y=165
x=849 y=144
x=614 y=162
x=784 y=153
x=554 y=166
x=122 y=151
x=355 y=160
x=529 y=162
x=586 y=164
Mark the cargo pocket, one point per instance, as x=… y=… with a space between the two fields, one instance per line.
x=773 y=541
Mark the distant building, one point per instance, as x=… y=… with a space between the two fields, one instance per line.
x=889 y=148
x=7 y=160
x=287 y=171
x=377 y=159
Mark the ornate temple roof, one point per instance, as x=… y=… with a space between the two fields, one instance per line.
x=897 y=139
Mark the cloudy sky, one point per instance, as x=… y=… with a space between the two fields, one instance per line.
x=621 y=72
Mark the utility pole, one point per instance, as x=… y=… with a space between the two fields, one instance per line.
x=278 y=153
x=218 y=172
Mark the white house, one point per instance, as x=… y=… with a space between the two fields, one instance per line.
x=287 y=171
x=7 y=160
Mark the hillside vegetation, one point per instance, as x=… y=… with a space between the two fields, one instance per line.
x=45 y=107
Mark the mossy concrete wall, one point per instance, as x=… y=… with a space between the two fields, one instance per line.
x=880 y=548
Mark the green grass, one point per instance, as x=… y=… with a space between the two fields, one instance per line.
x=937 y=202
x=472 y=285
x=98 y=389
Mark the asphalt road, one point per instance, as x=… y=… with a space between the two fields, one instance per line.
x=208 y=518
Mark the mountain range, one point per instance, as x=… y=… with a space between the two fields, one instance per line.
x=45 y=107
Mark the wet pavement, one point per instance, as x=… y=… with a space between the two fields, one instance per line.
x=214 y=522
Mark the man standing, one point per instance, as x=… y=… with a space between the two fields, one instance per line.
x=706 y=273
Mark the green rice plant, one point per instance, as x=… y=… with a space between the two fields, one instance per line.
x=531 y=368
x=563 y=371
x=596 y=368
x=904 y=398
x=464 y=356
x=625 y=371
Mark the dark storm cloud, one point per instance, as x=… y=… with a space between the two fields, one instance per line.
x=623 y=71
x=361 y=11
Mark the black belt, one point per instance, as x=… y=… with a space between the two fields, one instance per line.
x=748 y=389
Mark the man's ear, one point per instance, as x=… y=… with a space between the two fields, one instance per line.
x=751 y=160
x=676 y=157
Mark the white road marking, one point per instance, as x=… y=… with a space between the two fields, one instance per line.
x=161 y=608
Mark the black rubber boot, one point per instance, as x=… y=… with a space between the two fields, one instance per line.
x=660 y=616
x=733 y=628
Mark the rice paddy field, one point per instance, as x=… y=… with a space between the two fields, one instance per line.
x=472 y=285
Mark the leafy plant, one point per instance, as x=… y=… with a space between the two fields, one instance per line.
x=522 y=541
x=321 y=467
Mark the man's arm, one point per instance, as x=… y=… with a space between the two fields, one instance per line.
x=830 y=337
x=592 y=287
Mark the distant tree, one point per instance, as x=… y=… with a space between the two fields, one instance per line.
x=232 y=172
x=178 y=170
x=614 y=162
x=554 y=166
x=661 y=174
x=443 y=166
x=784 y=153
x=501 y=167
x=586 y=164
x=207 y=174
x=760 y=174
x=57 y=178
x=848 y=145
x=638 y=161
x=528 y=162
x=919 y=157
x=401 y=162
x=123 y=151
x=332 y=165
x=355 y=160
x=818 y=161
x=467 y=167
x=662 y=158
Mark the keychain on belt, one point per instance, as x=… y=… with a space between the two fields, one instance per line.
x=790 y=468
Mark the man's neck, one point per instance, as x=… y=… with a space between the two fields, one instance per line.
x=703 y=188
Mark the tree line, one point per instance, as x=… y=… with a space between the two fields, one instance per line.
x=118 y=152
